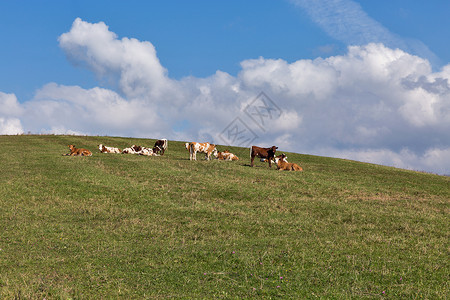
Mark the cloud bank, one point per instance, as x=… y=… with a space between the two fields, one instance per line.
x=374 y=104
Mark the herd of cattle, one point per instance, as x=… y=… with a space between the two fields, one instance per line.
x=265 y=154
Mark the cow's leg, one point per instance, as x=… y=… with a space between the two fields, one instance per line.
x=251 y=163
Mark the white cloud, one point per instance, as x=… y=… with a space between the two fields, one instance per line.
x=351 y=105
x=10 y=126
x=435 y=160
x=10 y=111
x=9 y=105
x=132 y=63
x=72 y=109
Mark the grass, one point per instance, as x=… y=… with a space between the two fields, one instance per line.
x=128 y=226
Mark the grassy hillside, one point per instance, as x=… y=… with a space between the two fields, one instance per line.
x=128 y=226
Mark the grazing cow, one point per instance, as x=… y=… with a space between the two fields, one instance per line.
x=160 y=146
x=275 y=160
x=268 y=153
x=195 y=147
x=78 y=151
x=282 y=165
x=105 y=149
x=225 y=155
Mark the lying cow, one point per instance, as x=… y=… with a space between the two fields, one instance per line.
x=139 y=150
x=147 y=151
x=78 y=151
x=128 y=151
x=160 y=146
x=267 y=153
x=225 y=155
x=105 y=149
x=275 y=160
x=132 y=150
x=283 y=165
x=195 y=147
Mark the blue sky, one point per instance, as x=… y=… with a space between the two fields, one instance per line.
x=378 y=69
x=193 y=37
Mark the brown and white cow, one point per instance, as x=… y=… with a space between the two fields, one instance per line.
x=128 y=151
x=105 y=149
x=225 y=155
x=268 y=153
x=139 y=150
x=282 y=165
x=195 y=147
x=160 y=146
x=275 y=160
x=132 y=150
x=147 y=151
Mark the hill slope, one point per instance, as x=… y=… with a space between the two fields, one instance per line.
x=129 y=226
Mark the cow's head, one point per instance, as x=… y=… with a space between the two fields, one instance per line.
x=282 y=157
x=215 y=152
x=156 y=149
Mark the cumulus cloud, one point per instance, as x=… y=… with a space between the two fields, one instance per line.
x=132 y=63
x=374 y=103
x=10 y=126
x=9 y=105
x=10 y=110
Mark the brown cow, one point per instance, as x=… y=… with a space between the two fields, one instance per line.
x=268 y=153
x=78 y=151
x=282 y=165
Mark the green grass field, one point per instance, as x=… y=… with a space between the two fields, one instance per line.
x=133 y=227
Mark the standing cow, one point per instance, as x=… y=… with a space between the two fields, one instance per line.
x=268 y=153
x=160 y=146
x=195 y=147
